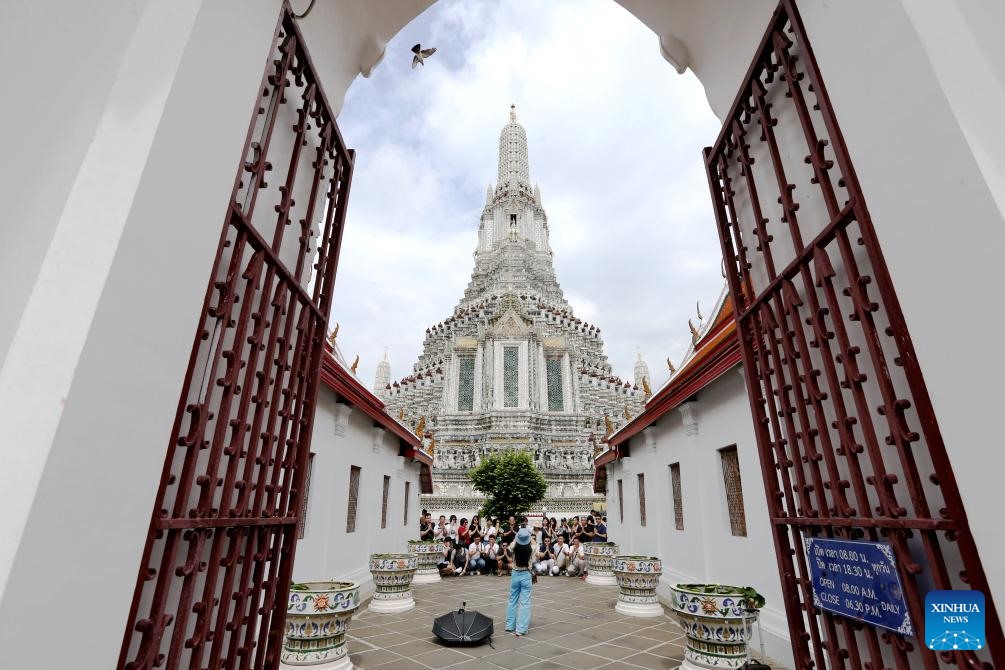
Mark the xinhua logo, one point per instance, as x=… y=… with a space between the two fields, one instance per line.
x=954 y=620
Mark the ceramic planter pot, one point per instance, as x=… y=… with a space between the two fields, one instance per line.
x=598 y=562
x=716 y=624
x=427 y=554
x=317 y=619
x=638 y=577
x=392 y=582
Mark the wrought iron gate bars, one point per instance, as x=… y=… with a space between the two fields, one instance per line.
x=275 y=351
x=787 y=401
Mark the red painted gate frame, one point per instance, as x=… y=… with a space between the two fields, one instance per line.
x=215 y=575
x=781 y=327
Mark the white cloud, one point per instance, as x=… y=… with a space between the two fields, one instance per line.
x=615 y=138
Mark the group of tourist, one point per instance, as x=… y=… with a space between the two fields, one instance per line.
x=486 y=548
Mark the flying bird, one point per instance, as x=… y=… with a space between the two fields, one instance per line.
x=421 y=55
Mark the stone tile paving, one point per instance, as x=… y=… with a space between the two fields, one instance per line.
x=573 y=625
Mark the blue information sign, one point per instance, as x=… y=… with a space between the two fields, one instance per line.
x=858 y=580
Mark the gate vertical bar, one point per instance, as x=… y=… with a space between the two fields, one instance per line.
x=216 y=569
x=831 y=372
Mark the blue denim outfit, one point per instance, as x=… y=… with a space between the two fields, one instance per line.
x=476 y=565
x=519 y=598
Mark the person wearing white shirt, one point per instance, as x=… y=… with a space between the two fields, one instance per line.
x=452 y=528
x=440 y=533
x=490 y=554
x=563 y=559
x=577 y=558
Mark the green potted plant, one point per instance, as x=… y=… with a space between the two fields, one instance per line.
x=717 y=620
x=317 y=619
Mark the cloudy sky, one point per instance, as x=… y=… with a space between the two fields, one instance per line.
x=615 y=138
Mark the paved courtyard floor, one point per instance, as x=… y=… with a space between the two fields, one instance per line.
x=573 y=625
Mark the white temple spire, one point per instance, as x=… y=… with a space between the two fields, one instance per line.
x=514 y=169
x=382 y=378
x=641 y=370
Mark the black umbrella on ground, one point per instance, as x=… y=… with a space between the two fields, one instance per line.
x=463 y=627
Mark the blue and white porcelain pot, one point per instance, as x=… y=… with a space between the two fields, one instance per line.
x=716 y=622
x=317 y=619
x=392 y=582
x=598 y=562
x=638 y=577
x=427 y=554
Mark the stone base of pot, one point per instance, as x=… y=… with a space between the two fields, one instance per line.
x=601 y=580
x=639 y=609
x=344 y=663
x=430 y=578
x=688 y=665
x=395 y=606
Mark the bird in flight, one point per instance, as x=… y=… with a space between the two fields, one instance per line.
x=421 y=55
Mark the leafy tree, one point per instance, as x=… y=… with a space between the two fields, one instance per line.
x=511 y=483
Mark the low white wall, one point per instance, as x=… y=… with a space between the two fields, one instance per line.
x=327 y=551
x=705 y=550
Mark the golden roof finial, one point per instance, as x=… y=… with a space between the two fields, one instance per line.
x=432 y=444
x=694 y=332
x=608 y=426
x=628 y=415
x=334 y=334
x=355 y=364
x=698 y=307
x=645 y=388
x=401 y=414
x=421 y=428
x=670 y=365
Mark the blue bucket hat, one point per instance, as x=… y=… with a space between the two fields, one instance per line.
x=523 y=536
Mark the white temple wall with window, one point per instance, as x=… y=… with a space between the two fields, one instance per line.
x=722 y=541
x=342 y=530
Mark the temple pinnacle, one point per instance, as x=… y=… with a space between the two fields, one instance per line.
x=512 y=113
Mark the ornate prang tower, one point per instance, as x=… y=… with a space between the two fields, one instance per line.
x=513 y=367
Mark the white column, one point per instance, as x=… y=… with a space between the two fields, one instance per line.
x=567 y=402
x=478 y=382
x=542 y=364
x=697 y=480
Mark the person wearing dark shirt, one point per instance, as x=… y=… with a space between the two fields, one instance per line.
x=426 y=530
x=589 y=530
x=601 y=535
x=509 y=534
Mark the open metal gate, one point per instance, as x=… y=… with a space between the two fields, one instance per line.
x=215 y=574
x=849 y=443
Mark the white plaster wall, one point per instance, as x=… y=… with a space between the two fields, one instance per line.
x=913 y=99
x=103 y=449
x=706 y=550
x=327 y=551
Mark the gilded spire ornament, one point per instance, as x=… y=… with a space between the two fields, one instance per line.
x=432 y=445
x=608 y=426
x=421 y=428
x=628 y=415
x=645 y=388
x=670 y=365
x=401 y=414
x=334 y=334
x=694 y=332
x=355 y=364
